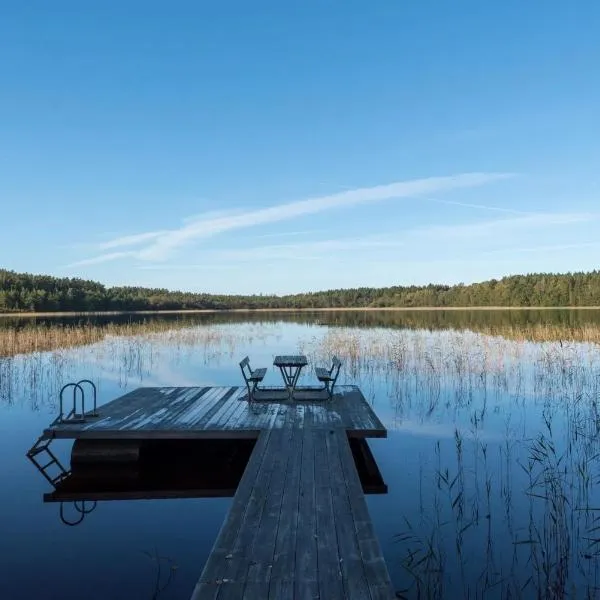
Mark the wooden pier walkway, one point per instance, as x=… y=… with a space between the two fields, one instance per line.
x=298 y=526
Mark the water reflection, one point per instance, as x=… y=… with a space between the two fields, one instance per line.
x=30 y=334
x=400 y=319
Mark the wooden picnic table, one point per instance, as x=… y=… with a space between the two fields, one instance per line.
x=290 y=367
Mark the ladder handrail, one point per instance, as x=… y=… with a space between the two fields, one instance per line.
x=61 y=418
x=94 y=412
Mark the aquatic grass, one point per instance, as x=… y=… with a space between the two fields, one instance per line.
x=40 y=338
x=128 y=353
x=161 y=583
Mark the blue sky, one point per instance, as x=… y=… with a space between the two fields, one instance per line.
x=259 y=147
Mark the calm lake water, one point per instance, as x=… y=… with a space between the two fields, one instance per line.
x=491 y=459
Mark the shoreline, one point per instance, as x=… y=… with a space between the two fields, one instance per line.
x=285 y=310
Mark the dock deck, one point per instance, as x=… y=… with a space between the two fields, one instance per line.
x=205 y=412
x=298 y=526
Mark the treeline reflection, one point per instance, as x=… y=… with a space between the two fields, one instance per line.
x=396 y=319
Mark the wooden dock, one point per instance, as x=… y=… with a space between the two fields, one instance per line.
x=220 y=412
x=298 y=526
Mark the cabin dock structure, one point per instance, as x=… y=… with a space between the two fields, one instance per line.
x=298 y=526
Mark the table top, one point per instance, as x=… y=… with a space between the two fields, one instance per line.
x=298 y=360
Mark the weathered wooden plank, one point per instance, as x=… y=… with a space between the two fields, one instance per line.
x=284 y=555
x=228 y=406
x=263 y=548
x=183 y=402
x=254 y=507
x=306 y=535
x=281 y=589
x=115 y=414
x=117 y=422
x=354 y=578
x=124 y=403
x=382 y=591
x=206 y=591
x=200 y=413
x=232 y=590
x=308 y=589
x=274 y=416
x=193 y=407
x=373 y=420
x=232 y=419
x=328 y=557
x=141 y=411
x=255 y=591
x=116 y=411
x=239 y=421
x=147 y=402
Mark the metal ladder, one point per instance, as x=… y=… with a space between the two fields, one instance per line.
x=44 y=459
x=39 y=453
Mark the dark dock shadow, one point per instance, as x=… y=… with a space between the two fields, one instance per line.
x=106 y=470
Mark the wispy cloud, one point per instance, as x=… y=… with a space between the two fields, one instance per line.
x=500 y=228
x=431 y=237
x=412 y=239
x=309 y=250
x=497 y=226
x=140 y=238
x=102 y=258
x=188 y=267
x=480 y=206
x=315 y=250
x=280 y=234
x=543 y=248
x=162 y=243
x=130 y=240
x=212 y=214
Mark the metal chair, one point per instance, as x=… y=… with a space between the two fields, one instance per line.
x=328 y=377
x=252 y=377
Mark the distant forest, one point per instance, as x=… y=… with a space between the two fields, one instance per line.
x=22 y=292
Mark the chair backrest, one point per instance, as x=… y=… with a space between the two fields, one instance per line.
x=245 y=364
x=335 y=366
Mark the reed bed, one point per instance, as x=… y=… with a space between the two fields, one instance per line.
x=544 y=332
x=42 y=337
x=126 y=353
